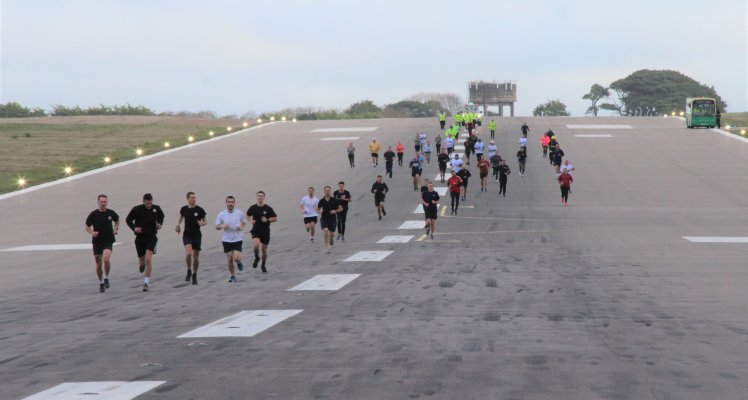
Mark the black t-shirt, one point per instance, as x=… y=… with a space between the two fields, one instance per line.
x=379 y=189
x=191 y=216
x=325 y=206
x=428 y=197
x=256 y=213
x=464 y=174
x=145 y=218
x=504 y=171
x=522 y=156
x=415 y=166
x=525 y=129
x=389 y=155
x=102 y=223
x=443 y=158
x=344 y=195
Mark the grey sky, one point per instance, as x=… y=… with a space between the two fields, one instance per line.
x=236 y=56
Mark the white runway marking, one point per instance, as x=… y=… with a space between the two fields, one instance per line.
x=330 y=130
x=109 y=390
x=419 y=209
x=326 y=282
x=715 y=239
x=411 y=225
x=370 y=255
x=351 y=138
x=396 y=239
x=594 y=135
x=442 y=190
x=52 y=247
x=242 y=324
x=458 y=148
x=598 y=126
x=439 y=177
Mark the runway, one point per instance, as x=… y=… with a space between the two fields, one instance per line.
x=517 y=297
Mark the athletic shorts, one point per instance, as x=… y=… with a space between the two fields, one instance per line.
x=228 y=247
x=430 y=212
x=375 y=155
x=264 y=237
x=442 y=167
x=464 y=182
x=328 y=223
x=144 y=243
x=483 y=175
x=100 y=245
x=413 y=174
x=310 y=220
x=378 y=200
x=195 y=241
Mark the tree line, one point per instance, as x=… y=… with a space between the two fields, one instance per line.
x=15 y=110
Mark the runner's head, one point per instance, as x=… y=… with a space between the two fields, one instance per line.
x=260 y=197
x=191 y=198
x=148 y=200
x=430 y=186
x=379 y=178
x=328 y=190
x=389 y=148
x=230 y=203
x=102 y=200
x=456 y=156
x=310 y=190
x=454 y=173
x=341 y=185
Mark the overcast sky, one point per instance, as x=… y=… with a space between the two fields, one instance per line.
x=238 y=56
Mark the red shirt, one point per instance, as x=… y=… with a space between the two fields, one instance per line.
x=483 y=165
x=565 y=179
x=399 y=148
x=454 y=184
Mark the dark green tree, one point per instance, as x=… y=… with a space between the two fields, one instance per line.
x=363 y=109
x=551 y=108
x=597 y=92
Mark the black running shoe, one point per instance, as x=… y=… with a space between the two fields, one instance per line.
x=384 y=212
x=264 y=270
x=194 y=279
x=142 y=268
x=145 y=287
x=101 y=288
x=257 y=260
x=240 y=266
x=189 y=276
x=106 y=283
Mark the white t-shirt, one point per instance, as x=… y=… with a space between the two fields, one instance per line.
x=233 y=219
x=523 y=141
x=449 y=142
x=491 y=150
x=479 y=147
x=310 y=206
x=456 y=164
x=568 y=168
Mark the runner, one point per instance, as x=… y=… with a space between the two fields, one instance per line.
x=380 y=190
x=416 y=166
x=351 y=154
x=450 y=142
x=438 y=143
x=399 y=149
x=417 y=142
x=374 y=150
x=456 y=163
x=443 y=159
x=478 y=147
x=544 y=140
x=328 y=207
x=344 y=197
x=194 y=217
x=99 y=226
x=389 y=157
x=455 y=185
x=525 y=129
x=503 y=175
x=492 y=149
x=468 y=148
x=569 y=168
x=523 y=142
x=232 y=222
x=145 y=220
x=261 y=215
x=430 y=200
x=483 y=165
x=424 y=189
x=564 y=180
x=308 y=207
x=427 y=151
x=492 y=127
x=496 y=165
x=552 y=144
x=522 y=158
x=465 y=175
x=558 y=157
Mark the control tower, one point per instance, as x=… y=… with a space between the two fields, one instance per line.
x=493 y=93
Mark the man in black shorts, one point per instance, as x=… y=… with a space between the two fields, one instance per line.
x=194 y=217
x=430 y=201
x=344 y=197
x=260 y=216
x=389 y=157
x=379 y=189
x=328 y=207
x=99 y=226
x=464 y=174
x=443 y=159
x=145 y=220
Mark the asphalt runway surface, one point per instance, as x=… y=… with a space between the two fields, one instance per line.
x=515 y=298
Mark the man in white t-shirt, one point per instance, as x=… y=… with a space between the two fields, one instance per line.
x=232 y=222
x=523 y=142
x=456 y=163
x=568 y=167
x=308 y=207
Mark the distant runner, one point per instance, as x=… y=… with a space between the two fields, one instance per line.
x=455 y=185
x=430 y=200
x=522 y=159
x=465 y=175
x=483 y=165
x=503 y=175
x=389 y=157
x=564 y=181
x=380 y=190
x=351 y=154
x=443 y=159
x=99 y=226
x=308 y=207
x=260 y=216
x=194 y=217
x=232 y=222
x=525 y=129
x=328 y=207
x=374 y=150
x=344 y=197
x=399 y=149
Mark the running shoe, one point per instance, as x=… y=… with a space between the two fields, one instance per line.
x=142 y=268
x=106 y=283
x=189 y=276
x=332 y=242
x=380 y=217
x=338 y=238
x=146 y=287
x=311 y=239
x=194 y=279
x=384 y=212
x=342 y=238
x=101 y=288
x=240 y=266
x=257 y=261
x=432 y=236
x=232 y=279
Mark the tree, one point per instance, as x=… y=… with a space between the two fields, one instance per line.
x=656 y=92
x=363 y=109
x=596 y=93
x=15 y=110
x=551 y=108
x=411 y=109
x=449 y=102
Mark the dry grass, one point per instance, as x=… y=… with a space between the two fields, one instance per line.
x=38 y=149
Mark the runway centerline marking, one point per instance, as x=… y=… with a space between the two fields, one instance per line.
x=396 y=239
x=246 y=323
x=326 y=282
x=351 y=138
x=411 y=225
x=370 y=255
x=52 y=247
x=594 y=135
x=110 y=390
x=599 y=127
x=330 y=130
x=716 y=239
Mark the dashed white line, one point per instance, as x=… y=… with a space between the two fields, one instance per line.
x=370 y=255
x=109 y=390
x=246 y=323
x=326 y=282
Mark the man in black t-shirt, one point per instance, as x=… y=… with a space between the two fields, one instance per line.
x=99 y=226
x=379 y=189
x=145 y=220
x=260 y=216
x=194 y=217
x=389 y=157
x=344 y=197
x=430 y=200
x=464 y=174
x=328 y=207
x=443 y=159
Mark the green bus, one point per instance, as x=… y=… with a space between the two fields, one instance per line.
x=701 y=111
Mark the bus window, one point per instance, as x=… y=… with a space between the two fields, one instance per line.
x=703 y=108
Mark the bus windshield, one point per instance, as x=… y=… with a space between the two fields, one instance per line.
x=703 y=108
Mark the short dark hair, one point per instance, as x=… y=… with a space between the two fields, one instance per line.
x=260 y=191
x=102 y=195
x=148 y=197
x=327 y=187
x=341 y=183
x=189 y=193
x=230 y=197
x=379 y=176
